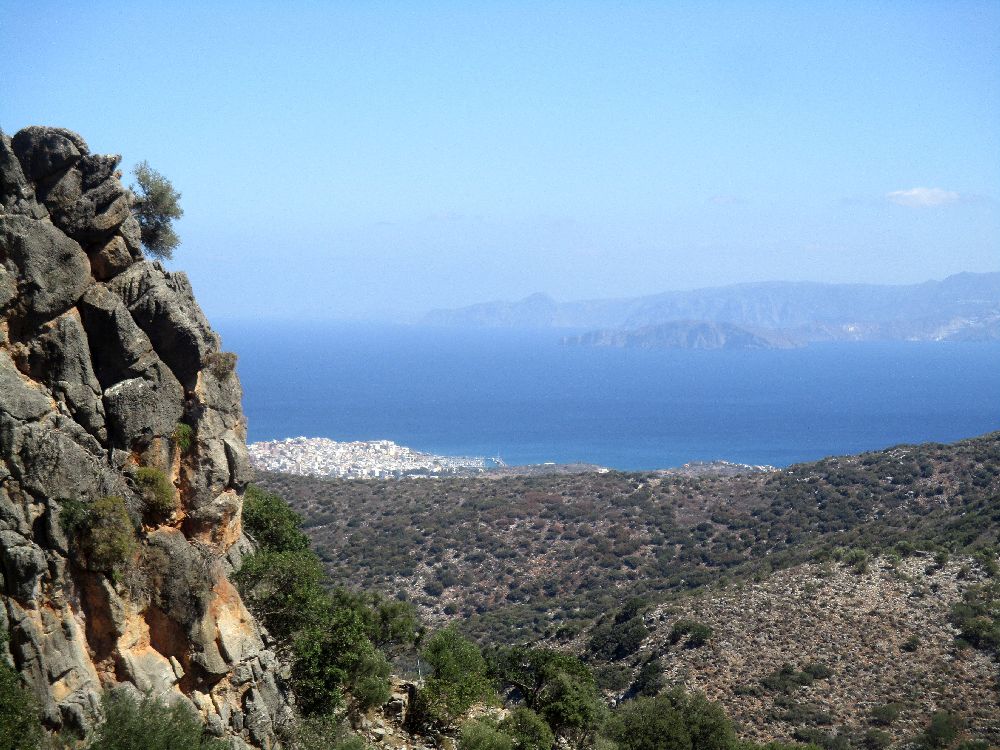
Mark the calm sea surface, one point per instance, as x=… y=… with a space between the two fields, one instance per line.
x=532 y=400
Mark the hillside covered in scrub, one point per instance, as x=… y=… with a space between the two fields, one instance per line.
x=560 y=550
x=842 y=602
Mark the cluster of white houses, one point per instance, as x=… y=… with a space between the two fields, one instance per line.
x=376 y=459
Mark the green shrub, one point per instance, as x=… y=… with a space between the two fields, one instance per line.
x=698 y=634
x=649 y=681
x=911 y=644
x=149 y=724
x=221 y=364
x=482 y=734
x=614 y=640
x=328 y=636
x=325 y=732
x=183 y=437
x=612 y=677
x=157 y=490
x=527 y=730
x=531 y=670
x=856 y=560
x=886 y=714
x=817 y=671
x=110 y=539
x=876 y=739
x=787 y=679
x=573 y=708
x=74 y=517
x=977 y=616
x=271 y=523
x=458 y=679
x=20 y=714
x=672 y=721
x=942 y=730
x=156 y=207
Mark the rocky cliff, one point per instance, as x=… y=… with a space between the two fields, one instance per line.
x=122 y=460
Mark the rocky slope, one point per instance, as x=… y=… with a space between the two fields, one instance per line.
x=122 y=460
x=559 y=550
x=882 y=635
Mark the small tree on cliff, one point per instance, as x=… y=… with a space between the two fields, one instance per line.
x=157 y=205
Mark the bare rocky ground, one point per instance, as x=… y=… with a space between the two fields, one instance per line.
x=859 y=625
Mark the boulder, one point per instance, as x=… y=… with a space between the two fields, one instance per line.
x=163 y=306
x=45 y=151
x=53 y=271
x=140 y=409
x=110 y=259
x=59 y=358
x=13 y=184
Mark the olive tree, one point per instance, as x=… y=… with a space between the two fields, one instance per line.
x=156 y=206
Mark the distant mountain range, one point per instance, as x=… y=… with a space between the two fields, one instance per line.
x=776 y=314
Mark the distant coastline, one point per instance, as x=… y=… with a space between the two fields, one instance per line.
x=768 y=315
x=384 y=459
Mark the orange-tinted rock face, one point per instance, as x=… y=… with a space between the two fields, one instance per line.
x=102 y=355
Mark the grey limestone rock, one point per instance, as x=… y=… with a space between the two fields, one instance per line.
x=44 y=151
x=59 y=358
x=163 y=306
x=13 y=184
x=53 y=271
x=102 y=354
x=110 y=259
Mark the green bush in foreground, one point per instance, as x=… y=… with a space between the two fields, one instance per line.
x=329 y=636
x=942 y=730
x=458 y=679
x=20 y=715
x=482 y=734
x=325 y=732
x=527 y=730
x=272 y=524
x=149 y=724
x=672 y=721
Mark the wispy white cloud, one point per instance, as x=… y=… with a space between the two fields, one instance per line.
x=921 y=197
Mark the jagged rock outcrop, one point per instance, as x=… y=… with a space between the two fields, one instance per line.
x=110 y=375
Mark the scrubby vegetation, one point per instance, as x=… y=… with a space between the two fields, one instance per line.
x=128 y=723
x=564 y=549
x=156 y=207
x=183 y=437
x=102 y=530
x=221 y=364
x=593 y=639
x=20 y=715
x=149 y=724
x=326 y=635
x=157 y=490
x=598 y=563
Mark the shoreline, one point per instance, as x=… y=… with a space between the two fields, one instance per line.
x=385 y=459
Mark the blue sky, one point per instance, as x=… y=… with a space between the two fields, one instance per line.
x=375 y=160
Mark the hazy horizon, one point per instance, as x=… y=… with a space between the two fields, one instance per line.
x=377 y=161
x=419 y=315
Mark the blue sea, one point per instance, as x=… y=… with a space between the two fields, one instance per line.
x=523 y=396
